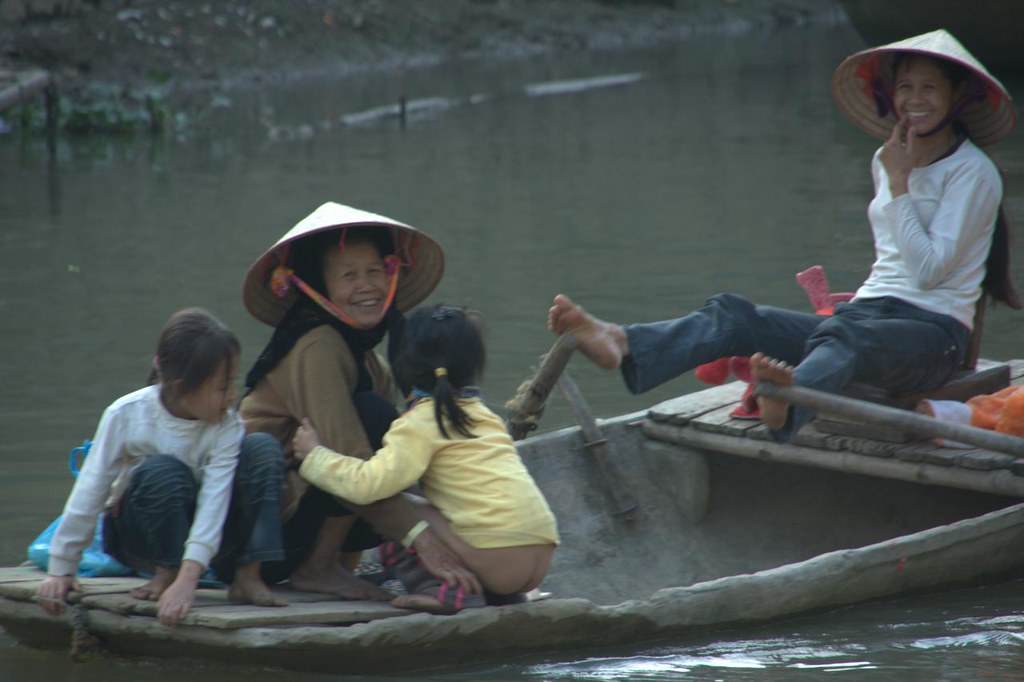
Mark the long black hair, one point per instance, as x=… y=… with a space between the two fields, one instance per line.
x=443 y=354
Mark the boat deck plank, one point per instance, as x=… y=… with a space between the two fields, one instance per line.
x=703 y=420
x=212 y=607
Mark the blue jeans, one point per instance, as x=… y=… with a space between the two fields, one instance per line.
x=154 y=516
x=884 y=342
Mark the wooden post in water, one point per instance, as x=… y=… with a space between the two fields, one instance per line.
x=911 y=422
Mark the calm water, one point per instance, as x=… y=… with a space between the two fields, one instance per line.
x=712 y=166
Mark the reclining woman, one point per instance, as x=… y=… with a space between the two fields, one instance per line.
x=332 y=287
x=941 y=242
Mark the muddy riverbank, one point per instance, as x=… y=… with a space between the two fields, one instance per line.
x=184 y=46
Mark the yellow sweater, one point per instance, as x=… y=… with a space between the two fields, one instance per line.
x=479 y=484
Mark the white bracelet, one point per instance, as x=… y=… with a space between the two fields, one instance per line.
x=414 y=533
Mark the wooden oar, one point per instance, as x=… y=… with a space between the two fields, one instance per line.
x=526 y=408
x=623 y=501
x=911 y=422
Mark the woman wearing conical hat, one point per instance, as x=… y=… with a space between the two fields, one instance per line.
x=332 y=287
x=940 y=244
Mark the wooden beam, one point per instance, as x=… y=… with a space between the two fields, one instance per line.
x=999 y=482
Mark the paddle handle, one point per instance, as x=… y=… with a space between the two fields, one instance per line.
x=526 y=408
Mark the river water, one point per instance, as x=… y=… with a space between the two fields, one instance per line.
x=639 y=182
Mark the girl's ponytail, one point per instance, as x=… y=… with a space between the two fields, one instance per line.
x=442 y=355
x=446 y=404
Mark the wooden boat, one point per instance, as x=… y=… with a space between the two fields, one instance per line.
x=990 y=29
x=688 y=521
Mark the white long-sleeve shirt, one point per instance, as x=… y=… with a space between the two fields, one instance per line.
x=133 y=428
x=931 y=244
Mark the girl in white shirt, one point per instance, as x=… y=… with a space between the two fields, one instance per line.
x=165 y=468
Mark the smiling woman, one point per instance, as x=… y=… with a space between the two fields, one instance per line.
x=358 y=281
x=940 y=246
x=332 y=288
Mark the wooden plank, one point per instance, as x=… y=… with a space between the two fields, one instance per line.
x=336 y=612
x=873 y=448
x=25 y=590
x=944 y=457
x=15 y=574
x=984 y=460
x=683 y=409
x=810 y=437
x=876 y=432
x=721 y=421
x=1000 y=481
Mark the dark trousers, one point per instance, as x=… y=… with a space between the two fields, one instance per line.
x=155 y=514
x=885 y=342
x=300 y=531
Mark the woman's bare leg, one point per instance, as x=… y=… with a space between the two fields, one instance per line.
x=322 y=572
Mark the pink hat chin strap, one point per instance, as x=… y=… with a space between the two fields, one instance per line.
x=283 y=277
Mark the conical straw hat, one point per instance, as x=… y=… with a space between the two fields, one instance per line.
x=988 y=119
x=422 y=260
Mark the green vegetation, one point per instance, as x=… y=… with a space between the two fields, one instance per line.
x=103 y=108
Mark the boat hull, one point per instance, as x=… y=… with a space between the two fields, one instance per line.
x=718 y=540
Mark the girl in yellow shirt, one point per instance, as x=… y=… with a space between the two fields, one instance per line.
x=480 y=498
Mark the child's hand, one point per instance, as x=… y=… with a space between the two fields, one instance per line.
x=305 y=439
x=52 y=593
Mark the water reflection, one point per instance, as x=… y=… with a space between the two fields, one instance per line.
x=726 y=167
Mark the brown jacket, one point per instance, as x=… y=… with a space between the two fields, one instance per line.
x=316 y=380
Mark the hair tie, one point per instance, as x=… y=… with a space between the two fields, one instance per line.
x=440 y=372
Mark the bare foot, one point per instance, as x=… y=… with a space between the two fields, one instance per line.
x=421 y=602
x=151 y=591
x=337 y=581
x=605 y=343
x=774 y=412
x=249 y=588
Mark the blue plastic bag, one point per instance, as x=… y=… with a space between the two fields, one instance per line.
x=95 y=562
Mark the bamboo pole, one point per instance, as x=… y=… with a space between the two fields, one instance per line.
x=911 y=422
x=526 y=408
